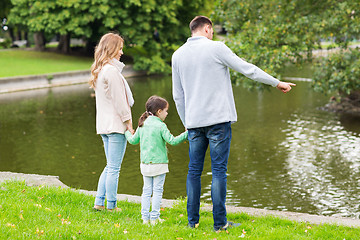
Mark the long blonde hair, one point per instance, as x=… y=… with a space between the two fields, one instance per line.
x=108 y=47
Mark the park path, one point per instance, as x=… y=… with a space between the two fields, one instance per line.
x=36 y=180
x=22 y=83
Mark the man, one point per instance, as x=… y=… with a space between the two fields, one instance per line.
x=203 y=95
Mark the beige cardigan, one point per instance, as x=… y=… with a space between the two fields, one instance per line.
x=112 y=107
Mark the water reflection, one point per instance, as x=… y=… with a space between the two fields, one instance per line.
x=286 y=154
x=323 y=163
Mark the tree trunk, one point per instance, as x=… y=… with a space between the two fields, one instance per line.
x=26 y=35
x=18 y=35
x=64 y=43
x=39 y=41
x=11 y=33
x=90 y=47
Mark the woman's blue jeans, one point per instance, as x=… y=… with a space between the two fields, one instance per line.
x=218 y=137
x=152 y=186
x=115 y=146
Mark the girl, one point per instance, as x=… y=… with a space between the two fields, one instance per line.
x=113 y=114
x=153 y=135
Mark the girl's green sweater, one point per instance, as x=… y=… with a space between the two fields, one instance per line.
x=153 y=136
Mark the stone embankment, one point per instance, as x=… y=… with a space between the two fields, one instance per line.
x=22 y=83
x=36 y=180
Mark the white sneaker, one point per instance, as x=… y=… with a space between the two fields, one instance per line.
x=146 y=221
x=154 y=222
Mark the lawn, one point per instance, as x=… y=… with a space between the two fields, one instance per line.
x=23 y=62
x=56 y=213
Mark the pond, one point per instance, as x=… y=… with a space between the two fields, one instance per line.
x=286 y=153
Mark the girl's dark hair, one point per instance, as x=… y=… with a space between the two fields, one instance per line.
x=152 y=105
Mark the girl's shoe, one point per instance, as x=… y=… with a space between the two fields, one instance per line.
x=146 y=222
x=98 y=208
x=115 y=210
x=156 y=221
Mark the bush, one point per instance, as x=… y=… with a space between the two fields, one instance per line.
x=5 y=43
x=339 y=73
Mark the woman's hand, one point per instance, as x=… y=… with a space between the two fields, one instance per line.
x=129 y=126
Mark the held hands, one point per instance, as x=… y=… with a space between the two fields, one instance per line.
x=132 y=131
x=130 y=127
x=285 y=86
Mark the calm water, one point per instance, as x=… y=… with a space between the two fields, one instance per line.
x=286 y=154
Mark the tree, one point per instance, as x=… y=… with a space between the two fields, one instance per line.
x=64 y=17
x=339 y=73
x=272 y=33
x=136 y=20
x=5 y=6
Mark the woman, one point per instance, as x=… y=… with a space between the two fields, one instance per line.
x=113 y=114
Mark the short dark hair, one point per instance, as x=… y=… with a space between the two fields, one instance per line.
x=198 y=22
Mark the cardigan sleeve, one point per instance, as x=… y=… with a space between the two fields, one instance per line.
x=118 y=94
x=133 y=139
x=169 y=138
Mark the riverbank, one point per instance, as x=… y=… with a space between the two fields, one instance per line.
x=29 y=212
x=23 y=83
x=42 y=180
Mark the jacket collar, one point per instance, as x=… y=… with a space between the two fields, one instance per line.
x=154 y=118
x=196 y=38
x=116 y=63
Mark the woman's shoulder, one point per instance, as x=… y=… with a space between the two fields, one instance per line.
x=109 y=69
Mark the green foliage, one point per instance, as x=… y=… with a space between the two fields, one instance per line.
x=339 y=73
x=5 y=6
x=6 y=43
x=136 y=20
x=272 y=33
x=58 y=17
x=341 y=21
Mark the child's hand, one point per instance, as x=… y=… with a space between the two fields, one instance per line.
x=132 y=131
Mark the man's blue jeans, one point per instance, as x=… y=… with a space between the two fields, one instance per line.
x=218 y=137
x=114 y=146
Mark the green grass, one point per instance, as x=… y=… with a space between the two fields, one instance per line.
x=22 y=62
x=56 y=213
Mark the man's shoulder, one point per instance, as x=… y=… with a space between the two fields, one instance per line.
x=179 y=50
x=217 y=44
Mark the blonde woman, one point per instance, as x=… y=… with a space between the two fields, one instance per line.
x=113 y=114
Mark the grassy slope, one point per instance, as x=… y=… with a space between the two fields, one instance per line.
x=22 y=62
x=55 y=213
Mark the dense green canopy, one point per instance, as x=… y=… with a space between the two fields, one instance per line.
x=136 y=20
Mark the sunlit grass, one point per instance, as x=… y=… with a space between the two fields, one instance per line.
x=22 y=62
x=57 y=213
